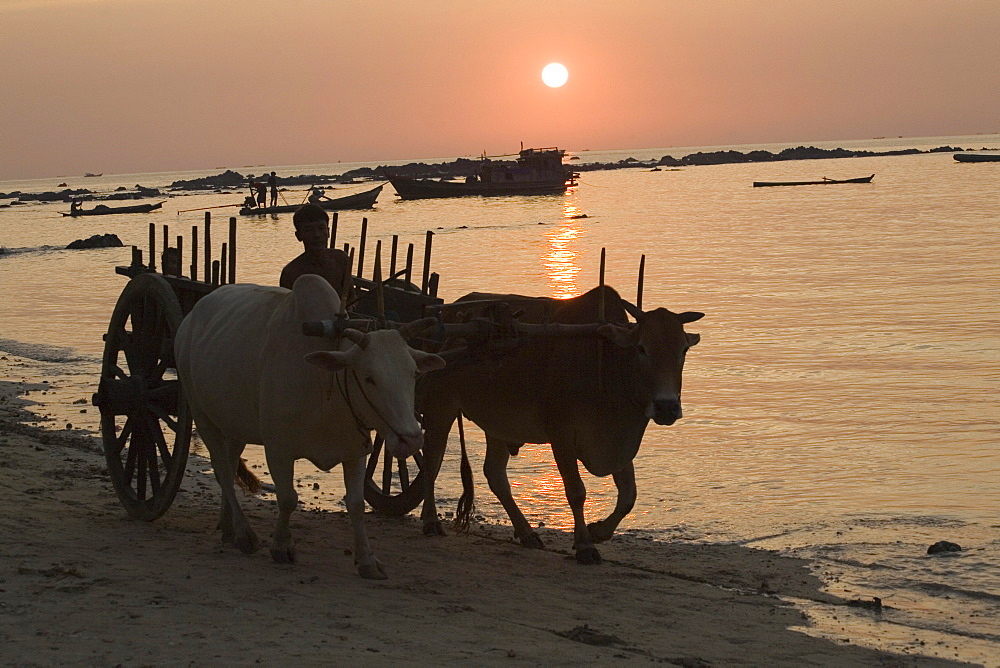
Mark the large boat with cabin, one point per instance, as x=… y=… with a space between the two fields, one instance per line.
x=536 y=171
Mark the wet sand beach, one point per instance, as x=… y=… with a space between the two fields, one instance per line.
x=84 y=585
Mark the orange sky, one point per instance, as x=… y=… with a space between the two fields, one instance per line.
x=162 y=85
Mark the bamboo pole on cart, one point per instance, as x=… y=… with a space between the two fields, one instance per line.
x=222 y=266
x=638 y=290
x=232 y=250
x=214 y=278
x=166 y=245
x=392 y=261
x=333 y=230
x=180 y=254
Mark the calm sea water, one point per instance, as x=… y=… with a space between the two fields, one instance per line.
x=843 y=402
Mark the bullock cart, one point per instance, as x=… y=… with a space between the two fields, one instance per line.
x=146 y=425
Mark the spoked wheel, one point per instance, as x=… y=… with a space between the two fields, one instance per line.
x=393 y=486
x=145 y=421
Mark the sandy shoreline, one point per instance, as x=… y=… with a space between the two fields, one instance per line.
x=82 y=584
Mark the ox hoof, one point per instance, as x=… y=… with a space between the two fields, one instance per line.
x=599 y=532
x=532 y=541
x=245 y=541
x=372 y=571
x=283 y=555
x=588 y=556
x=434 y=529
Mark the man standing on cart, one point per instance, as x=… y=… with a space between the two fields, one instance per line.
x=312 y=228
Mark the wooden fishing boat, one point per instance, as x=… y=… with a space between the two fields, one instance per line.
x=362 y=200
x=978 y=156
x=104 y=210
x=825 y=181
x=537 y=171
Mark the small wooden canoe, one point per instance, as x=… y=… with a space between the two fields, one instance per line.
x=825 y=181
x=978 y=156
x=104 y=210
x=362 y=200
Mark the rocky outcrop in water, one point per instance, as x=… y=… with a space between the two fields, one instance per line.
x=97 y=241
x=51 y=196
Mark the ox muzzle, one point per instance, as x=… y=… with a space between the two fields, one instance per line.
x=664 y=411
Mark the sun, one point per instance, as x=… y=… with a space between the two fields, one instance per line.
x=555 y=75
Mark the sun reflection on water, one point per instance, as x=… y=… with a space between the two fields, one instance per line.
x=562 y=257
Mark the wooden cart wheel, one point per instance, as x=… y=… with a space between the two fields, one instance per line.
x=145 y=421
x=392 y=487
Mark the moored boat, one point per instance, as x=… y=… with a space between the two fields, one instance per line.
x=536 y=171
x=104 y=210
x=824 y=181
x=362 y=200
x=978 y=156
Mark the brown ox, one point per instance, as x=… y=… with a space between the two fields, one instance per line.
x=590 y=398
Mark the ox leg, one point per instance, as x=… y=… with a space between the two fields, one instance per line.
x=495 y=469
x=282 y=469
x=225 y=455
x=435 y=442
x=364 y=557
x=602 y=530
x=576 y=494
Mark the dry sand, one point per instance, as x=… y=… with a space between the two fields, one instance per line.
x=81 y=584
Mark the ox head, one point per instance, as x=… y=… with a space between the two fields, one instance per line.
x=660 y=344
x=381 y=371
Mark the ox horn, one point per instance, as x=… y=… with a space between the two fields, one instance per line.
x=359 y=338
x=690 y=316
x=416 y=327
x=632 y=309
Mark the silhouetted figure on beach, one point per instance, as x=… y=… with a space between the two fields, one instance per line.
x=312 y=228
x=272 y=183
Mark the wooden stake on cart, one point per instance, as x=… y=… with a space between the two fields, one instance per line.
x=361 y=247
x=194 y=252
x=222 y=266
x=392 y=261
x=427 y=262
x=152 y=246
x=180 y=254
x=409 y=263
x=333 y=230
x=232 y=249
x=208 y=247
x=379 y=288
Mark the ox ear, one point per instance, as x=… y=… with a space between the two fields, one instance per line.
x=692 y=339
x=632 y=309
x=331 y=360
x=426 y=361
x=690 y=316
x=618 y=335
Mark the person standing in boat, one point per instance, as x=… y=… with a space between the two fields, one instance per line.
x=272 y=183
x=261 y=194
x=312 y=228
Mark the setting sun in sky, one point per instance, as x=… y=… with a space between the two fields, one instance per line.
x=161 y=85
x=555 y=75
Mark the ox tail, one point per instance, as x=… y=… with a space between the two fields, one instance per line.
x=246 y=479
x=466 y=502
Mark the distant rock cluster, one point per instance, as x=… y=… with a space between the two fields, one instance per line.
x=97 y=241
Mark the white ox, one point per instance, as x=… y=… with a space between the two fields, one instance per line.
x=251 y=376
